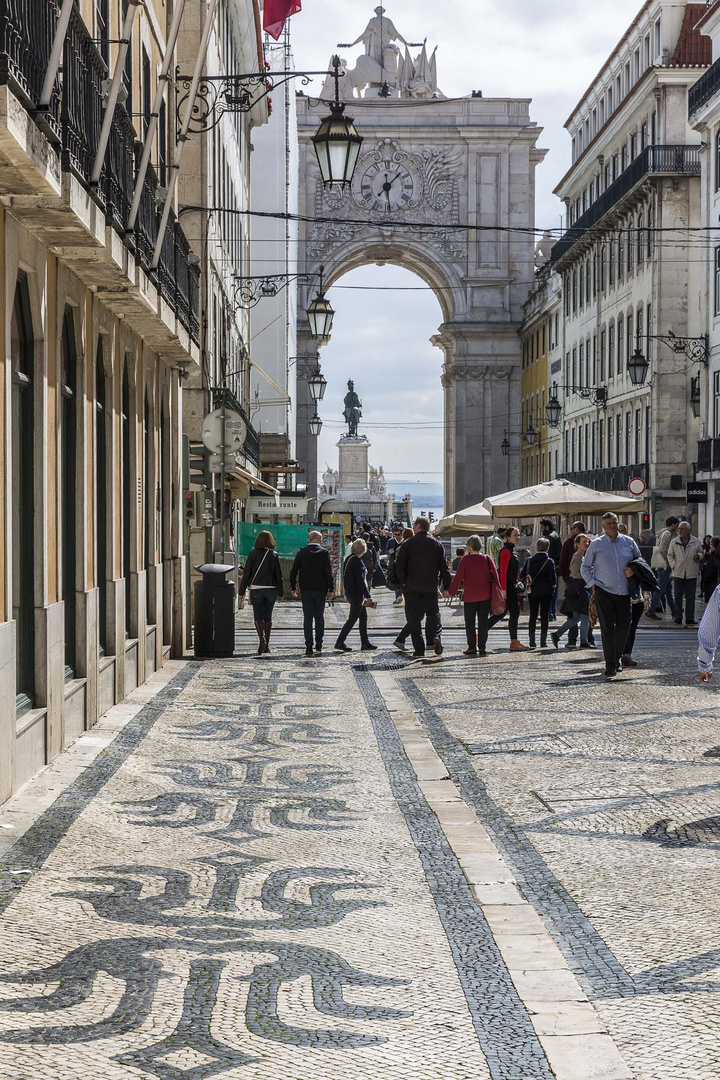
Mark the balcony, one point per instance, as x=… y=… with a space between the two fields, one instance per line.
x=704 y=89
x=72 y=125
x=610 y=479
x=653 y=161
x=708 y=458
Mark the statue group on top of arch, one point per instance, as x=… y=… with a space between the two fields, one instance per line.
x=383 y=70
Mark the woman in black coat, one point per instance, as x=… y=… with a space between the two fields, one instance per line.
x=358 y=594
x=263 y=577
x=540 y=573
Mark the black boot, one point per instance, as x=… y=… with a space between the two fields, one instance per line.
x=268 y=629
x=260 y=629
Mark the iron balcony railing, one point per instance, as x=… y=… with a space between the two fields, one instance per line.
x=609 y=479
x=704 y=89
x=252 y=443
x=653 y=160
x=73 y=122
x=708 y=455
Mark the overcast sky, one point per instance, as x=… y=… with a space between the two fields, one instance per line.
x=547 y=50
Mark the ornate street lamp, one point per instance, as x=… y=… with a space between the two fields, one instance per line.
x=530 y=435
x=317 y=385
x=337 y=143
x=315 y=425
x=638 y=366
x=553 y=410
x=505 y=446
x=320 y=314
x=695 y=396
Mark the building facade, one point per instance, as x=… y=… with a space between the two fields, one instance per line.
x=631 y=278
x=704 y=115
x=540 y=441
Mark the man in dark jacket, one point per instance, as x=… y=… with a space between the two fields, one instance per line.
x=313 y=567
x=566 y=554
x=420 y=566
x=555 y=550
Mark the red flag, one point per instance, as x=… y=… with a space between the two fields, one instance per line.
x=276 y=12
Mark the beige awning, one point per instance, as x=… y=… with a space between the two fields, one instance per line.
x=240 y=481
x=558 y=497
x=474 y=519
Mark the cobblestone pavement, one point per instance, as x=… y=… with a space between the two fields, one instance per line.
x=347 y=867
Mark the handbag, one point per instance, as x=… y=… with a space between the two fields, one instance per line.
x=497 y=596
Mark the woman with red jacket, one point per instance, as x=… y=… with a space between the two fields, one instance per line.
x=509 y=571
x=477 y=573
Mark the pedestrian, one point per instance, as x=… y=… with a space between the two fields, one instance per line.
x=576 y=604
x=684 y=554
x=643 y=584
x=393 y=545
x=420 y=567
x=567 y=553
x=475 y=574
x=709 y=637
x=711 y=568
x=263 y=577
x=604 y=568
x=508 y=572
x=495 y=543
x=664 y=569
x=459 y=555
x=313 y=569
x=358 y=595
x=540 y=578
x=555 y=550
x=370 y=558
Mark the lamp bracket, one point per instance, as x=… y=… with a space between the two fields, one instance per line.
x=249 y=291
x=695 y=349
x=220 y=94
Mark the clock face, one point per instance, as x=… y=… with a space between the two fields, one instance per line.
x=386 y=187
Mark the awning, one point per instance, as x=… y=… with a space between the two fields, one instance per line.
x=240 y=481
x=558 y=497
x=474 y=519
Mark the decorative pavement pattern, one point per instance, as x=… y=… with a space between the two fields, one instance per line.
x=290 y=868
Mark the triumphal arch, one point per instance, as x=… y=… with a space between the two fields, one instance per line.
x=444 y=187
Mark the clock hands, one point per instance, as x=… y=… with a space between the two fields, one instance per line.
x=387 y=186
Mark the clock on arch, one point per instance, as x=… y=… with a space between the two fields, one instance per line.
x=386 y=187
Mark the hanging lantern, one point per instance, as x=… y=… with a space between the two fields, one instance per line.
x=315 y=425
x=337 y=143
x=553 y=410
x=317 y=385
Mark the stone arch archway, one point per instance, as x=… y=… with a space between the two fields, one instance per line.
x=464 y=171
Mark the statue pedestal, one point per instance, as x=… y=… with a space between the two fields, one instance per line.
x=354 y=482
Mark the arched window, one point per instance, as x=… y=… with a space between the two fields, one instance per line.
x=68 y=487
x=127 y=492
x=22 y=353
x=101 y=560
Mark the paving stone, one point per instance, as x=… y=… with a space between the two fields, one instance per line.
x=585 y=1057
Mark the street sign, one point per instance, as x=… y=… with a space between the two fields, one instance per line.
x=235 y=431
x=697 y=492
x=637 y=486
x=265 y=504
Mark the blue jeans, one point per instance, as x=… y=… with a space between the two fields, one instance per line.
x=313 y=604
x=573 y=621
x=663 y=583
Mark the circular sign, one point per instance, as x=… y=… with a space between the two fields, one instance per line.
x=235 y=431
x=637 y=486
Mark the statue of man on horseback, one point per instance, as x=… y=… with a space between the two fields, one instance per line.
x=353 y=409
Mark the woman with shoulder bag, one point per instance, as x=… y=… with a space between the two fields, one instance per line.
x=508 y=573
x=576 y=605
x=540 y=577
x=476 y=574
x=263 y=577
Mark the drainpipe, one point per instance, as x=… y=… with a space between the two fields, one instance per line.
x=163 y=78
x=182 y=137
x=133 y=5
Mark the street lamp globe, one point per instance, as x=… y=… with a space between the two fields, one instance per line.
x=320 y=316
x=317 y=385
x=337 y=142
x=505 y=446
x=638 y=367
x=553 y=410
x=315 y=425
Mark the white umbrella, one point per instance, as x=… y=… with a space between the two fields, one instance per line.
x=558 y=497
x=474 y=519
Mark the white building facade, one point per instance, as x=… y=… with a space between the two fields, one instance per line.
x=627 y=260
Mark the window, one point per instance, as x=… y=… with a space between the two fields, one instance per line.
x=717 y=161
x=618 y=89
x=574 y=367
x=601 y=444
x=582 y=285
x=610 y=100
x=603 y=354
x=608 y=175
x=574 y=291
x=648 y=434
x=648 y=332
x=22 y=357
x=587 y=282
x=567 y=296
x=650 y=227
x=646 y=51
x=602 y=111
x=638 y=436
x=637 y=63
x=102 y=28
x=717 y=280
x=146 y=92
x=633 y=146
x=630 y=246
x=620 y=343
x=162 y=143
x=591 y=197
x=593 y=444
x=582 y=363
x=593 y=380
x=621 y=258
x=572 y=449
x=68 y=500
x=653 y=127
x=611 y=263
x=624 y=158
x=615 y=166
x=628 y=437
x=627 y=77
x=101 y=490
x=628 y=341
x=611 y=350
x=716 y=404
x=594 y=122
x=618 y=440
x=643 y=135
x=603 y=267
x=610 y=439
x=658 y=36
x=641 y=238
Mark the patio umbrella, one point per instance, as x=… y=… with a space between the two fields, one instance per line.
x=474 y=519
x=559 y=497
